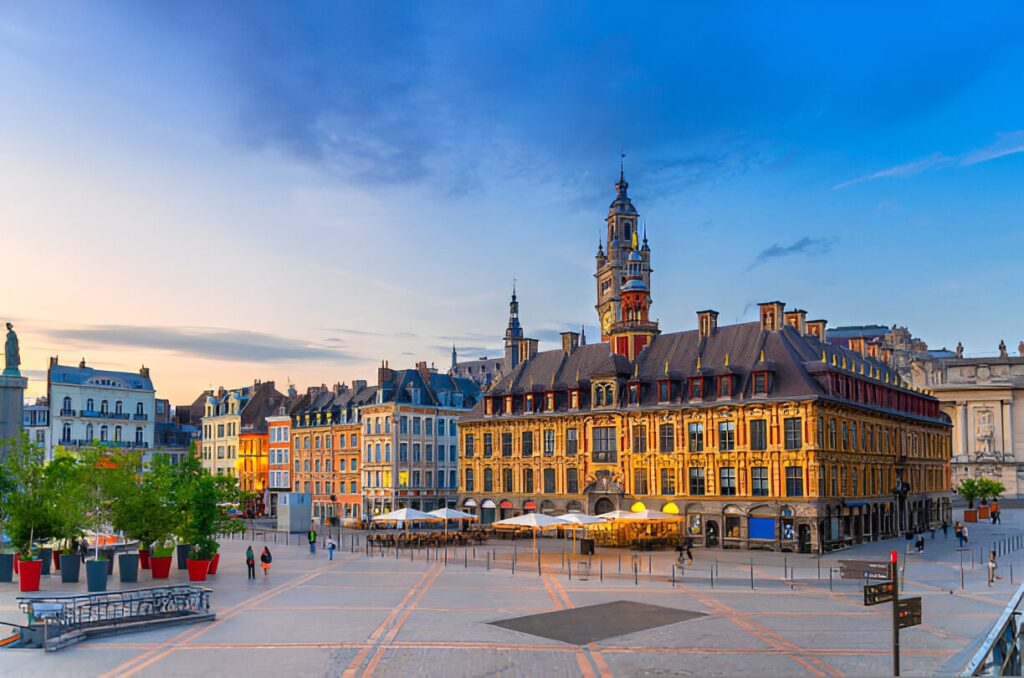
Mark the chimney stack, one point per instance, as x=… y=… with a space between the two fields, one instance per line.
x=857 y=345
x=81 y=365
x=385 y=375
x=570 y=342
x=817 y=328
x=527 y=349
x=797 y=319
x=53 y=361
x=772 y=315
x=358 y=384
x=707 y=322
x=424 y=371
x=872 y=349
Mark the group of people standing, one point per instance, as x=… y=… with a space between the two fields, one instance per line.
x=265 y=560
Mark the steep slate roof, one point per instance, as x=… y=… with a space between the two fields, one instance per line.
x=398 y=389
x=793 y=360
x=263 y=403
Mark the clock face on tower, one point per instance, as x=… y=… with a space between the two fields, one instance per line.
x=606 y=322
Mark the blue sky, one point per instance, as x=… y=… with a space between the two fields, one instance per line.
x=227 y=191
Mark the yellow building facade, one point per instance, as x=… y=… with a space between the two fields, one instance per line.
x=759 y=434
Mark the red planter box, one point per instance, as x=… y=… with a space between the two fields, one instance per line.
x=214 y=563
x=160 y=566
x=56 y=559
x=28 y=574
x=197 y=569
x=144 y=559
x=17 y=561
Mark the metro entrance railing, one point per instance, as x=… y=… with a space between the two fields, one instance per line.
x=1000 y=652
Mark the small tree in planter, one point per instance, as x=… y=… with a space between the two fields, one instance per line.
x=989 y=489
x=29 y=513
x=69 y=503
x=144 y=508
x=969 y=490
x=7 y=488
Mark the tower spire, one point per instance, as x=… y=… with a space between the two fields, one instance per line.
x=622 y=167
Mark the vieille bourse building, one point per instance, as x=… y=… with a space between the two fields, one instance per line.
x=759 y=434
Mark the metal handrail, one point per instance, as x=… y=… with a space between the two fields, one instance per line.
x=78 y=611
x=1000 y=653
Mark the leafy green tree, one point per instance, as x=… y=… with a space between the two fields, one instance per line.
x=969 y=490
x=30 y=516
x=989 y=489
x=64 y=490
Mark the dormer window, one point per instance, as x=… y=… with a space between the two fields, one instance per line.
x=604 y=395
x=634 y=393
x=508 y=405
x=664 y=391
x=696 y=388
x=725 y=386
x=574 y=399
x=528 y=405
x=761 y=383
x=550 y=406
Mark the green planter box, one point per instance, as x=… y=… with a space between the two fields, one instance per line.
x=128 y=566
x=70 y=568
x=183 y=551
x=46 y=555
x=96 y=575
x=6 y=568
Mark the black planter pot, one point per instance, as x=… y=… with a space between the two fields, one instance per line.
x=128 y=565
x=96 y=575
x=183 y=550
x=70 y=568
x=6 y=568
x=46 y=555
x=110 y=563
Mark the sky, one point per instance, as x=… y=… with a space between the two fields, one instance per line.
x=296 y=191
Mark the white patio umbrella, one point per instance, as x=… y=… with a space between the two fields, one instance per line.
x=406 y=515
x=447 y=514
x=580 y=519
x=615 y=515
x=535 y=522
x=650 y=515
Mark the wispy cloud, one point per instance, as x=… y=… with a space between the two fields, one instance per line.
x=211 y=343
x=1006 y=143
x=904 y=170
x=805 y=245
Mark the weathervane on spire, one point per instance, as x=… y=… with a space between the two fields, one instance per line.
x=622 y=166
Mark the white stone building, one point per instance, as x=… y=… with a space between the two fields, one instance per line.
x=37 y=425
x=90 y=406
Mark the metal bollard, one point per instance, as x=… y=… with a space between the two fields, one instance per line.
x=751 y=574
x=819 y=568
x=673 y=575
x=513 y=562
x=650 y=566
x=620 y=563
x=636 y=576
x=488 y=562
x=570 y=569
x=465 y=559
x=785 y=566
x=538 y=564
x=712 y=571
x=600 y=569
x=830 y=578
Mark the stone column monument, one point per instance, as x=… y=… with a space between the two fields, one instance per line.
x=12 y=392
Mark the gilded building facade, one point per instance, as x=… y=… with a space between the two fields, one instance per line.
x=759 y=434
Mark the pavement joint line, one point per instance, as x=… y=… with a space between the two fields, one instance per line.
x=383 y=646
x=357 y=662
x=812 y=664
x=140 y=662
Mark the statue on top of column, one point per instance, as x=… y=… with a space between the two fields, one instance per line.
x=959 y=350
x=1002 y=348
x=12 y=357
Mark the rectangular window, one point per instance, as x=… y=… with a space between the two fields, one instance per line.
x=696 y=438
x=668 y=481
x=793 y=430
x=605 y=449
x=429 y=452
x=452 y=478
x=835 y=481
x=428 y=477
x=527 y=443
x=549 y=481
x=697 y=482
x=353 y=441
x=415 y=452
x=415 y=426
x=488 y=444
x=488 y=480
x=549 y=442
x=640 y=439
x=428 y=426
x=666 y=438
x=724 y=387
x=506 y=480
x=846 y=433
x=640 y=481
x=506 y=444
x=832 y=434
x=470 y=446
x=403 y=452
x=758 y=434
x=664 y=392
x=760 y=383
x=696 y=387
x=727 y=478
x=572 y=481
x=571 y=441
x=726 y=436
x=759 y=481
x=528 y=480
x=415 y=479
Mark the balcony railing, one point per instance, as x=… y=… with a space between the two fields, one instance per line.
x=1000 y=652
x=79 y=442
x=67 y=413
x=140 y=417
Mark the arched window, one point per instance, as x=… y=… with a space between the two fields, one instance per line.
x=598 y=396
x=90 y=405
x=369 y=450
x=387 y=424
x=387 y=451
x=117 y=434
x=376 y=452
x=138 y=409
x=104 y=406
x=88 y=433
x=118 y=407
x=376 y=425
x=67 y=405
x=103 y=432
x=138 y=435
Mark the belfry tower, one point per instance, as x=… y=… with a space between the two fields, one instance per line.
x=622 y=223
x=513 y=334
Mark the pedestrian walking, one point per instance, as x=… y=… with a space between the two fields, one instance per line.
x=945 y=530
x=250 y=562
x=992 y=566
x=963 y=533
x=330 y=549
x=958 y=530
x=312 y=540
x=999 y=517
x=265 y=560
x=687 y=545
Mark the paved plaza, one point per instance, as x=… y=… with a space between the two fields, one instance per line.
x=382 y=615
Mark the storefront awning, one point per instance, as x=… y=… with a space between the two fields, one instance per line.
x=471 y=503
x=530 y=505
x=637 y=507
x=488 y=504
x=670 y=508
x=505 y=503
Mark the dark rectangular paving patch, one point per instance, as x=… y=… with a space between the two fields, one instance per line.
x=592 y=623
